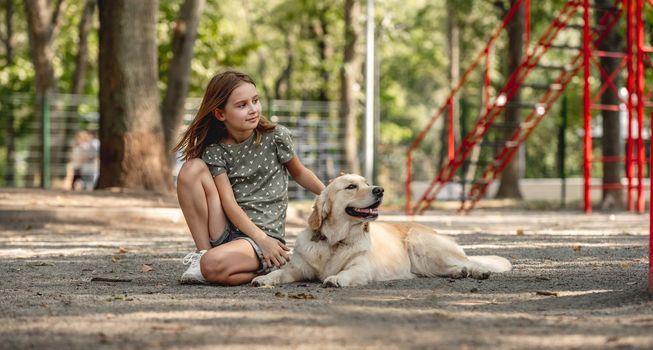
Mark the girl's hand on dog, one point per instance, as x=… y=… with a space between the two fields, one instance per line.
x=274 y=252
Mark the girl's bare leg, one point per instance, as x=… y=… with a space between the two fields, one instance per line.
x=233 y=263
x=199 y=201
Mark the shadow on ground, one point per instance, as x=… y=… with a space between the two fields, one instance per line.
x=578 y=282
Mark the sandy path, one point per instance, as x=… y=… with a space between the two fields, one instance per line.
x=594 y=268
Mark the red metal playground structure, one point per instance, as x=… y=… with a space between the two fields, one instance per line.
x=580 y=60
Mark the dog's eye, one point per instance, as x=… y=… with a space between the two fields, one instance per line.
x=351 y=187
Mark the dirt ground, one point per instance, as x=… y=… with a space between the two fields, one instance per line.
x=100 y=271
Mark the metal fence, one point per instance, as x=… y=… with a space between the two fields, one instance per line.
x=44 y=151
x=317 y=135
x=37 y=148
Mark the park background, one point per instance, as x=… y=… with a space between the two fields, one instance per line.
x=100 y=269
x=308 y=59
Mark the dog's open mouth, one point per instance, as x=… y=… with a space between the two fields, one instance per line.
x=371 y=212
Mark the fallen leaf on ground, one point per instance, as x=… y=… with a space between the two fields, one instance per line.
x=115 y=258
x=301 y=296
x=146 y=268
x=546 y=293
x=611 y=339
x=577 y=248
x=520 y=232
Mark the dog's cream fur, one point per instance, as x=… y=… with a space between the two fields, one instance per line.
x=343 y=250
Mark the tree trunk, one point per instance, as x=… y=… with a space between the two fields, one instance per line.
x=41 y=23
x=10 y=145
x=282 y=85
x=81 y=60
x=260 y=53
x=8 y=40
x=349 y=79
x=132 y=151
x=183 y=45
x=613 y=198
x=319 y=29
x=509 y=186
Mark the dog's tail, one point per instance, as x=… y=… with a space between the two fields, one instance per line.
x=491 y=263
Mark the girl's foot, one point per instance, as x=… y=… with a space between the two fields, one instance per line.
x=193 y=275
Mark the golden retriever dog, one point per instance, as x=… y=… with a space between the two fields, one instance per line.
x=342 y=247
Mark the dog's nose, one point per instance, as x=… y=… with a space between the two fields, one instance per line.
x=378 y=191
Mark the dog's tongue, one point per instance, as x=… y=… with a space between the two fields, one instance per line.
x=367 y=210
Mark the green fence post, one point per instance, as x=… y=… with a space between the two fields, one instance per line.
x=464 y=110
x=270 y=109
x=45 y=134
x=562 y=150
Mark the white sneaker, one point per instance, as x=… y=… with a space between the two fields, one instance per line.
x=193 y=274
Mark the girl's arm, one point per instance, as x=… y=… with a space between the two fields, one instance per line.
x=303 y=176
x=273 y=250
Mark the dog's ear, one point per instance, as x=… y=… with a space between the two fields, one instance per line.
x=321 y=209
x=342 y=173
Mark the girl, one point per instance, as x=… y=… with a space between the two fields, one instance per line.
x=234 y=198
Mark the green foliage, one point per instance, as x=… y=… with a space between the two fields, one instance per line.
x=260 y=37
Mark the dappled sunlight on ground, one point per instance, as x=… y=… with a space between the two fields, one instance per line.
x=76 y=282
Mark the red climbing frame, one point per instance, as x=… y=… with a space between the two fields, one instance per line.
x=635 y=59
x=492 y=107
x=643 y=54
x=650 y=226
x=484 y=54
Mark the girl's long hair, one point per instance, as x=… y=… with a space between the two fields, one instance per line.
x=206 y=129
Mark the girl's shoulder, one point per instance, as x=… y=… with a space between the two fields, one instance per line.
x=212 y=150
x=277 y=134
x=281 y=132
x=212 y=147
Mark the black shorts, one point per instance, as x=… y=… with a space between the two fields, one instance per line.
x=231 y=234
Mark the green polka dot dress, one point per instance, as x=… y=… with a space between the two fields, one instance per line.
x=258 y=176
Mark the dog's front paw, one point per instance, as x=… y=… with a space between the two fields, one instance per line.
x=262 y=281
x=331 y=282
x=462 y=273
x=480 y=275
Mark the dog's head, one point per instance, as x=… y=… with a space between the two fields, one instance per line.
x=348 y=197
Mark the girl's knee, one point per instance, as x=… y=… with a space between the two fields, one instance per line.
x=214 y=268
x=191 y=170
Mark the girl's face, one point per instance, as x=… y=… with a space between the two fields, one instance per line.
x=242 y=111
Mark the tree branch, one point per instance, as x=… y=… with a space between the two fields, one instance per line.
x=55 y=14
